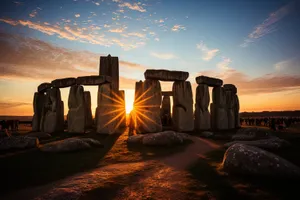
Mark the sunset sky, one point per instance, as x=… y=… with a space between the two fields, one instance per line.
x=252 y=44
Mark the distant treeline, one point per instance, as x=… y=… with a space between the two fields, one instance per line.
x=295 y=113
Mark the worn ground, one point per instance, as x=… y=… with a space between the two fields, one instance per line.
x=119 y=171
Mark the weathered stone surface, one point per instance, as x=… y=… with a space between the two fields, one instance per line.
x=166 y=138
x=207 y=134
x=230 y=103
x=271 y=143
x=64 y=82
x=38 y=104
x=249 y=160
x=44 y=87
x=53 y=112
x=19 y=142
x=135 y=139
x=202 y=115
x=77 y=110
x=67 y=145
x=138 y=91
x=218 y=111
x=166 y=75
x=252 y=134
x=39 y=135
x=236 y=110
x=167 y=93
x=88 y=111
x=212 y=82
x=109 y=66
x=92 y=142
x=148 y=109
x=165 y=112
x=93 y=80
x=107 y=111
x=230 y=87
x=183 y=116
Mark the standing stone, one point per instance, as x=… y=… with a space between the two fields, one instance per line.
x=77 y=110
x=237 y=111
x=183 y=118
x=53 y=112
x=43 y=87
x=38 y=104
x=88 y=104
x=138 y=91
x=219 y=118
x=202 y=115
x=109 y=66
x=107 y=111
x=148 y=109
x=166 y=111
x=230 y=108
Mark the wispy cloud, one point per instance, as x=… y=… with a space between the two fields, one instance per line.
x=177 y=28
x=289 y=66
x=82 y=34
x=224 y=64
x=268 y=25
x=34 y=12
x=207 y=54
x=164 y=56
x=268 y=83
x=96 y=3
x=5 y=105
x=133 y=6
x=31 y=55
x=77 y=15
x=140 y=35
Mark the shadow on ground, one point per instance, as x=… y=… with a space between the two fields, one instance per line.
x=34 y=168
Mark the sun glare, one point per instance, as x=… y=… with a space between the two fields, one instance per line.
x=129 y=107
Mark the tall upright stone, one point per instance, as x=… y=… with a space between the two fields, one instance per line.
x=77 y=110
x=109 y=66
x=107 y=111
x=53 y=112
x=218 y=110
x=148 y=109
x=88 y=107
x=233 y=106
x=38 y=104
x=166 y=111
x=237 y=111
x=230 y=108
x=138 y=91
x=202 y=115
x=183 y=118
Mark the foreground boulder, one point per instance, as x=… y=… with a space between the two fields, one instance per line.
x=166 y=138
x=166 y=75
x=18 y=142
x=271 y=143
x=249 y=160
x=39 y=135
x=252 y=134
x=69 y=145
x=207 y=134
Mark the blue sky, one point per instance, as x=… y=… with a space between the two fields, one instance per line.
x=240 y=41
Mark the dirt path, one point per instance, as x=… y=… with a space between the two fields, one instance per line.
x=129 y=174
